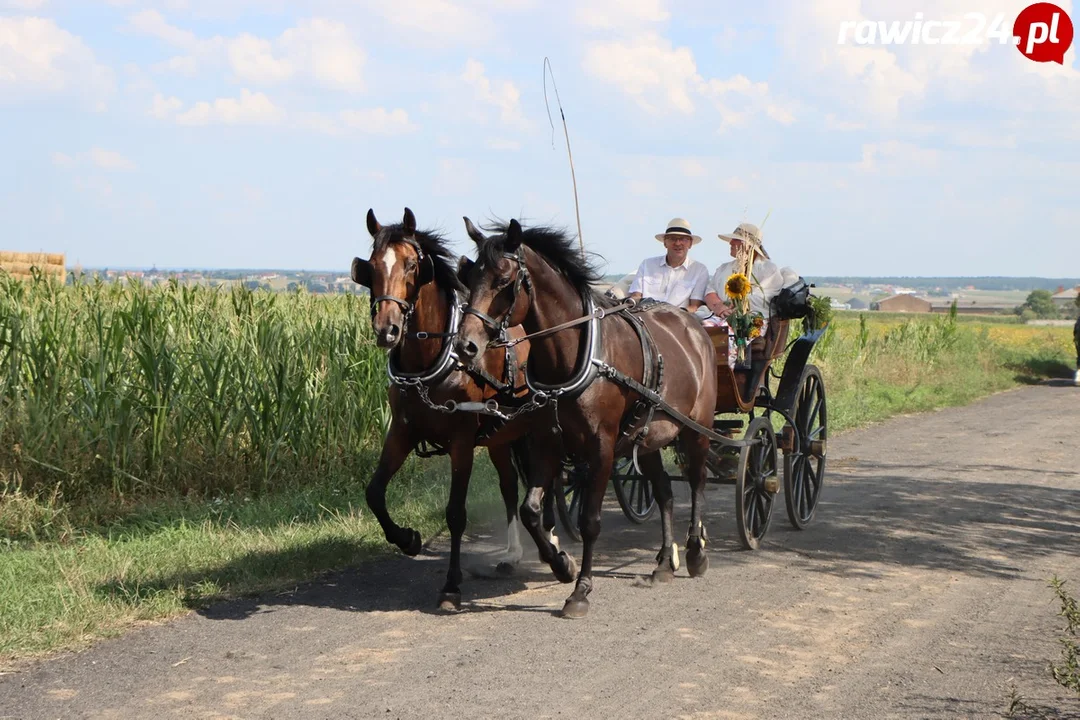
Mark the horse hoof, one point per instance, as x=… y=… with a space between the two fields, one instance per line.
x=564 y=567
x=450 y=602
x=505 y=569
x=413 y=548
x=663 y=574
x=575 y=608
x=696 y=565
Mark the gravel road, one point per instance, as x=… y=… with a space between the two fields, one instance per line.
x=920 y=590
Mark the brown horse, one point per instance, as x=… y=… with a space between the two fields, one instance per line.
x=536 y=278
x=415 y=311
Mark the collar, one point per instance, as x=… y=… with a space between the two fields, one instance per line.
x=684 y=266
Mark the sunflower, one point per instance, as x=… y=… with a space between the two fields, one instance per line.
x=737 y=286
x=755 y=332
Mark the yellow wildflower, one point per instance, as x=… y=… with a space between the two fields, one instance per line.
x=737 y=286
x=755 y=332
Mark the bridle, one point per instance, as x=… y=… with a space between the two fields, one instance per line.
x=521 y=280
x=407 y=307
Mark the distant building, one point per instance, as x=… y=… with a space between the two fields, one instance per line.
x=902 y=303
x=1066 y=298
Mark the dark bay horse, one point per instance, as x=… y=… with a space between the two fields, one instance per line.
x=412 y=276
x=535 y=277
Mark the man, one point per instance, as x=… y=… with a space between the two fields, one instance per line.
x=766 y=279
x=673 y=278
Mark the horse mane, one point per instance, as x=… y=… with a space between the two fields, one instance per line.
x=433 y=244
x=553 y=244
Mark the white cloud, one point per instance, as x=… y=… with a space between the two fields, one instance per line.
x=179 y=64
x=110 y=160
x=325 y=49
x=663 y=79
x=378 y=121
x=163 y=107
x=318 y=49
x=252 y=59
x=249 y=109
x=437 y=19
x=37 y=56
x=96 y=156
x=504 y=94
x=617 y=14
x=656 y=75
x=150 y=22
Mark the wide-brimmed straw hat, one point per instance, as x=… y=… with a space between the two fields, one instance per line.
x=679 y=226
x=749 y=234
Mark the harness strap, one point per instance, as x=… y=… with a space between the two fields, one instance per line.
x=615 y=375
x=597 y=314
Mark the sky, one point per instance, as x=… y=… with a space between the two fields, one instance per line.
x=258 y=133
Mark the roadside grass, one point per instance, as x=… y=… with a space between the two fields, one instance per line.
x=72 y=570
x=76 y=583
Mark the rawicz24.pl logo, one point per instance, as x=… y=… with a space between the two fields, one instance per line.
x=1042 y=32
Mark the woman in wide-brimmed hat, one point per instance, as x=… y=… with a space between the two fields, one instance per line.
x=750 y=258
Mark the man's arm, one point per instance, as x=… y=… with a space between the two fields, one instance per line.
x=697 y=293
x=636 y=287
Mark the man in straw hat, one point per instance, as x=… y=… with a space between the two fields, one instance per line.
x=673 y=278
x=750 y=258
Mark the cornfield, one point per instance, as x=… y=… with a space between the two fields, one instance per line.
x=115 y=390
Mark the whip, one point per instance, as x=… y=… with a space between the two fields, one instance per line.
x=566 y=133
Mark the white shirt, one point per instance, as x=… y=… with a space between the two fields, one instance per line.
x=674 y=285
x=766 y=281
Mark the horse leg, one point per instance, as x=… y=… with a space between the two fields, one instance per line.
x=667 y=560
x=537 y=511
x=461 y=463
x=600 y=462
x=697 y=449
x=397 y=446
x=503 y=460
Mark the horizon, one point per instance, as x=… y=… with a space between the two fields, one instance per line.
x=204 y=133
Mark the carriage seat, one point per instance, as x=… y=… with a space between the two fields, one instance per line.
x=772 y=342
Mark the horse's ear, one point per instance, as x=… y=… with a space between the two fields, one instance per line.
x=361 y=272
x=476 y=235
x=426 y=272
x=513 y=236
x=464 y=267
x=373 y=225
x=409 y=221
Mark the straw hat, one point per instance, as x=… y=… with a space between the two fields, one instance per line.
x=749 y=234
x=679 y=226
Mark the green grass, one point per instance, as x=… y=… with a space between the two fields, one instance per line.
x=164 y=558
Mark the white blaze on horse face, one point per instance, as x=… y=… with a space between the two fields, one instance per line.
x=389 y=260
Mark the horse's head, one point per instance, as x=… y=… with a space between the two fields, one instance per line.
x=394 y=274
x=499 y=288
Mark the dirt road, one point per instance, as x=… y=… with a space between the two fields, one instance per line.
x=919 y=591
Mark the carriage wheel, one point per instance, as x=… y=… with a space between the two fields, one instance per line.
x=633 y=490
x=804 y=465
x=568 y=495
x=756 y=484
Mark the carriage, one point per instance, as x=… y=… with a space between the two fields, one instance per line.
x=746 y=392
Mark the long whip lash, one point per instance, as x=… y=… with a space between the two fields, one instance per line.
x=573 y=177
